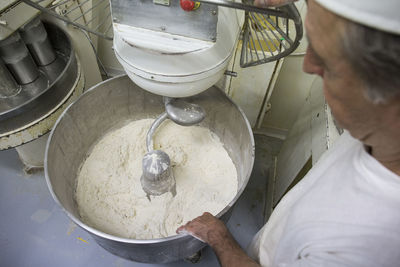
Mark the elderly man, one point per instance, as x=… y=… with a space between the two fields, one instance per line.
x=346 y=211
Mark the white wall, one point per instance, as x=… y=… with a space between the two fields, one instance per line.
x=291 y=89
x=107 y=57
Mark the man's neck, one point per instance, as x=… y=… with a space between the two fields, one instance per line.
x=388 y=156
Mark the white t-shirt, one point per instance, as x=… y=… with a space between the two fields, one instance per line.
x=345 y=212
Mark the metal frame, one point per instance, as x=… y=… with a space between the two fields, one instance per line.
x=94 y=29
x=272 y=33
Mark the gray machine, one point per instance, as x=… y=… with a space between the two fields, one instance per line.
x=40 y=75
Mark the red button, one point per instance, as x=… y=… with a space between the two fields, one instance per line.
x=187 y=5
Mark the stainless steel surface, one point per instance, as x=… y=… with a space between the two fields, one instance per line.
x=182 y=112
x=149 y=137
x=270 y=36
x=157 y=177
x=179 y=111
x=8 y=86
x=45 y=94
x=16 y=56
x=35 y=37
x=112 y=104
x=200 y=23
x=93 y=16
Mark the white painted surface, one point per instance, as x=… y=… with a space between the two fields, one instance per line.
x=32 y=153
x=289 y=94
x=249 y=88
x=291 y=89
x=295 y=152
x=312 y=134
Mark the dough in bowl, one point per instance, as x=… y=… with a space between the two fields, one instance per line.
x=110 y=197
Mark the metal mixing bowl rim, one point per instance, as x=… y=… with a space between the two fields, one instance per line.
x=129 y=240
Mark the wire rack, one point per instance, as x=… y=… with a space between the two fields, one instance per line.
x=268 y=37
x=93 y=16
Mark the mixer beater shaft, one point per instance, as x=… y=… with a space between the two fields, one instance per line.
x=157 y=177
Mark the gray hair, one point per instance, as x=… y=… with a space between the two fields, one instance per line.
x=375 y=56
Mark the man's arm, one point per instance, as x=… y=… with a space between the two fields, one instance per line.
x=213 y=232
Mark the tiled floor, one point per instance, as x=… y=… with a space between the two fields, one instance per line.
x=34 y=231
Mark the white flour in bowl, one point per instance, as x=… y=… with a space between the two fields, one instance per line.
x=110 y=197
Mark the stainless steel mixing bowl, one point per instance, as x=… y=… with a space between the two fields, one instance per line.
x=112 y=104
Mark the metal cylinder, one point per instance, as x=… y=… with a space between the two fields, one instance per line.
x=32 y=153
x=16 y=56
x=35 y=37
x=8 y=86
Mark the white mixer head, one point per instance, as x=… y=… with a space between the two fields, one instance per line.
x=179 y=53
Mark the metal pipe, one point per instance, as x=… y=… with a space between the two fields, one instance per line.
x=35 y=37
x=279 y=30
x=16 y=56
x=262 y=31
x=99 y=13
x=153 y=128
x=59 y=4
x=8 y=86
x=81 y=4
x=275 y=28
x=108 y=29
x=89 y=10
x=105 y=19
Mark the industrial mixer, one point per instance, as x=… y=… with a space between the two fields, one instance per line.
x=171 y=49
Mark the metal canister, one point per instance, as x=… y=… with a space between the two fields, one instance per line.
x=18 y=60
x=35 y=37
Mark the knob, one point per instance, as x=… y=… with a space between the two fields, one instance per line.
x=187 y=5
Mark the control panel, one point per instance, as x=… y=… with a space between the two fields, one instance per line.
x=179 y=17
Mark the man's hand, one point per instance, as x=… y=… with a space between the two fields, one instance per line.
x=272 y=3
x=213 y=232
x=207 y=228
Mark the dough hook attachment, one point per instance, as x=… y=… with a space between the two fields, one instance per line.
x=157 y=177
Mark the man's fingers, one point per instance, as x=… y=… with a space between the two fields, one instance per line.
x=196 y=224
x=205 y=228
x=184 y=230
x=181 y=229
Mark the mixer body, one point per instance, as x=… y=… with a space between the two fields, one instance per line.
x=172 y=52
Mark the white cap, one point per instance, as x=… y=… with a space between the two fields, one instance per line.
x=378 y=14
